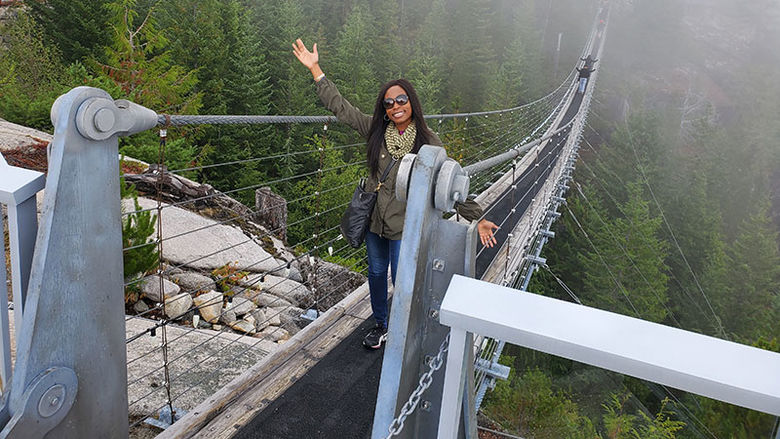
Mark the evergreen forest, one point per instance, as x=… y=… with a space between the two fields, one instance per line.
x=673 y=214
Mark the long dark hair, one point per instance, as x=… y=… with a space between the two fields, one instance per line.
x=376 y=134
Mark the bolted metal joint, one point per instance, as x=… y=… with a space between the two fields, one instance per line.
x=452 y=186
x=99 y=118
x=404 y=176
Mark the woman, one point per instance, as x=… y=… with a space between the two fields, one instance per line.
x=396 y=128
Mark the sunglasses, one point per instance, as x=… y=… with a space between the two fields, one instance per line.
x=400 y=100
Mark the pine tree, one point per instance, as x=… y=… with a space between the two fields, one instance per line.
x=626 y=270
x=426 y=65
x=527 y=404
x=79 y=29
x=507 y=84
x=750 y=309
x=352 y=60
x=31 y=73
x=472 y=57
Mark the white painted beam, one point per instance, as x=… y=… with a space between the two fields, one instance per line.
x=708 y=366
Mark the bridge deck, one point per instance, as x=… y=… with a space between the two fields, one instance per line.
x=329 y=390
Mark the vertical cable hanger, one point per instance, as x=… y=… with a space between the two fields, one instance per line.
x=163 y=319
x=318 y=209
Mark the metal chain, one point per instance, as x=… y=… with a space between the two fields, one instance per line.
x=426 y=380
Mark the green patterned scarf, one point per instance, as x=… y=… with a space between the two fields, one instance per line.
x=400 y=144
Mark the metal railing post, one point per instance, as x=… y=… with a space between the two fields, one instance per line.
x=432 y=250
x=70 y=379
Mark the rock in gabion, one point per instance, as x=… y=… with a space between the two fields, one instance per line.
x=227 y=317
x=150 y=288
x=140 y=307
x=178 y=305
x=242 y=305
x=275 y=333
x=261 y=321
x=243 y=326
x=194 y=282
x=263 y=299
x=209 y=305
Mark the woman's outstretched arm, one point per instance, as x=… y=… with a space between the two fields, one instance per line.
x=328 y=93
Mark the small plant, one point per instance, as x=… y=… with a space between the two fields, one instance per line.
x=137 y=230
x=228 y=276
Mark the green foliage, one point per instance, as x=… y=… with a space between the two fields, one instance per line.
x=78 y=29
x=30 y=73
x=750 y=307
x=136 y=61
x=619 y=424
x=323 y=198
x=527 y=405
x=228 y=276
x=351 y=60
x=138 y=229
x=472 y=58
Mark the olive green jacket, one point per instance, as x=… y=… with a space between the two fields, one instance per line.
x=387 y=220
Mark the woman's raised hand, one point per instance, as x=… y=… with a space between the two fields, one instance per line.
x=310 y=59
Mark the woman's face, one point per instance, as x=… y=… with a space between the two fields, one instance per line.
x=401 y=115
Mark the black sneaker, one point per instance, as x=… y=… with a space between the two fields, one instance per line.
x=375 y=337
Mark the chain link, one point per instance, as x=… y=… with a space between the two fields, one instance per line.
x=426 y=380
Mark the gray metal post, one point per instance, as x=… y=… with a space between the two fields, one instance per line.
x=432 y=250
x=70 y=378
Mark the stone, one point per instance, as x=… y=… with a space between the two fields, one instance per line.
x=203 y=244
x=193 y=282
x=291 y=319
x=261 y=321
x=291 y=291
x=228 y=317
x=295 y=274
x=243 y=326
x=170 y=270
x=216 y=327
x=250 y=319
x=242 y=305
x=209 y=305
x=140 y=307
x=333 y=283
x=275 y=333
x=263 y=299
x=274 y=315
x=18 y=137
x=178 y=305
x=150 y=288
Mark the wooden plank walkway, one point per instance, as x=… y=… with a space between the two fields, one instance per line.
x=225 y=412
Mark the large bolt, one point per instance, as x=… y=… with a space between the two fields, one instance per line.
x=51 y=401
x=104 y=120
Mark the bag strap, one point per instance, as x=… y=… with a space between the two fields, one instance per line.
x=385 y=174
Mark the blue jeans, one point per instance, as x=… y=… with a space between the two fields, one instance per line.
x=583 y=81
x=381 y=253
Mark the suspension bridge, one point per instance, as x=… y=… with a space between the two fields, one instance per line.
x=454 y=306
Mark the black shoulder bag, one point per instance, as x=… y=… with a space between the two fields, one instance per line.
x=357 y=217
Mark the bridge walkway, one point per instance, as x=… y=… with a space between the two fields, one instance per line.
x=336 y=397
